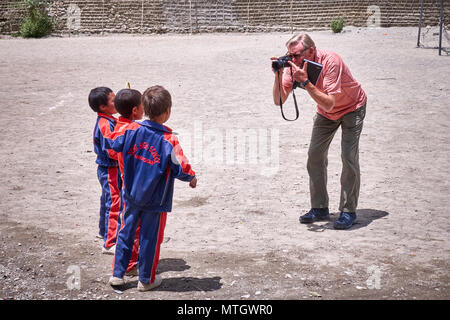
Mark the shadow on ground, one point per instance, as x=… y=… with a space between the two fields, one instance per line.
x=165 y=265
x=179 y=284
x=183 y=284
x=190 y=284
x=364 y=217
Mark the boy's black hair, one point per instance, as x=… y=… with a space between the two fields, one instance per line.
x=156 y=101
x=99 y=96
x=126 y=100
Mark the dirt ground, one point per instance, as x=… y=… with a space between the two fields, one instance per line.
x=237 y=235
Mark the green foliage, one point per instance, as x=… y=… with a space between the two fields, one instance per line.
x=36 y=22
x=337 y=25
x=36 y=27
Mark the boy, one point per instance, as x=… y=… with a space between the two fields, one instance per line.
x=152 y=159
x=128 y=104
x=101 y=100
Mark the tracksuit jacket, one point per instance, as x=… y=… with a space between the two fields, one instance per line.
x=152 y=159
x=109 y=178
x=103 y=128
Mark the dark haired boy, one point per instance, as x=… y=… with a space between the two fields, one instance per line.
x=101 y=100
x=152 y=159
x=128 y=104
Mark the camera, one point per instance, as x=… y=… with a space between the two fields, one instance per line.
x=280 y=63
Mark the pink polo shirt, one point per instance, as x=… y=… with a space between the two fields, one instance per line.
x=336 y=79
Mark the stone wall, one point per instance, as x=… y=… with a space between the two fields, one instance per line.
x=190 y=16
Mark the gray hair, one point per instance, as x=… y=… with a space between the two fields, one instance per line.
x=304 y=38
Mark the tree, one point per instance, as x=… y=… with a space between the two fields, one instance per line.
x=36 y=22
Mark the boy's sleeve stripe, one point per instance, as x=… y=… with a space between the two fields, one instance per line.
x=121 y=131
x=179 y=155
x=104 y=127
x=105 y=130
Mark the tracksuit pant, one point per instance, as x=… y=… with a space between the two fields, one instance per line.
x=152 y=225
x=110 y=203
x=135 y=251
x=322 y=135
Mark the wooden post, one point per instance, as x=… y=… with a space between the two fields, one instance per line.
x=420 y=22
x=441 y=24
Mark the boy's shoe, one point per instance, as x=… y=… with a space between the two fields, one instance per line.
x=99 y=236
x=315 y=214
x=345 y=220
x=114 y=281
x=133 y=272
x=149 y=286
x=110 y=250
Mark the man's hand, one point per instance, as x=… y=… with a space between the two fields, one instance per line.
x=193 y=183
x=300 y=74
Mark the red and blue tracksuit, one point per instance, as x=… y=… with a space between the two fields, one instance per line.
x=152 y=159
x=122 y=124
x=109 y=178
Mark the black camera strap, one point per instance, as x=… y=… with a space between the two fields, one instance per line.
x=293 y=94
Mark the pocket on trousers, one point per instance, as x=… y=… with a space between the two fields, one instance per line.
x=362 y=112
x=354 y=119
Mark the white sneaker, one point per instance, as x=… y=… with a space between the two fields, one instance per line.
x=99 y=236
x=149 y=286
x=114 y=281
x=111 y=250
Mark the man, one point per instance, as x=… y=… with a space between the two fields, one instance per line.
x=341 y=102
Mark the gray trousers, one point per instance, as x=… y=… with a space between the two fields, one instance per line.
x=322 y=135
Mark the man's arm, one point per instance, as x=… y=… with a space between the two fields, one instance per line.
x=277 y=84
x=326 y=101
